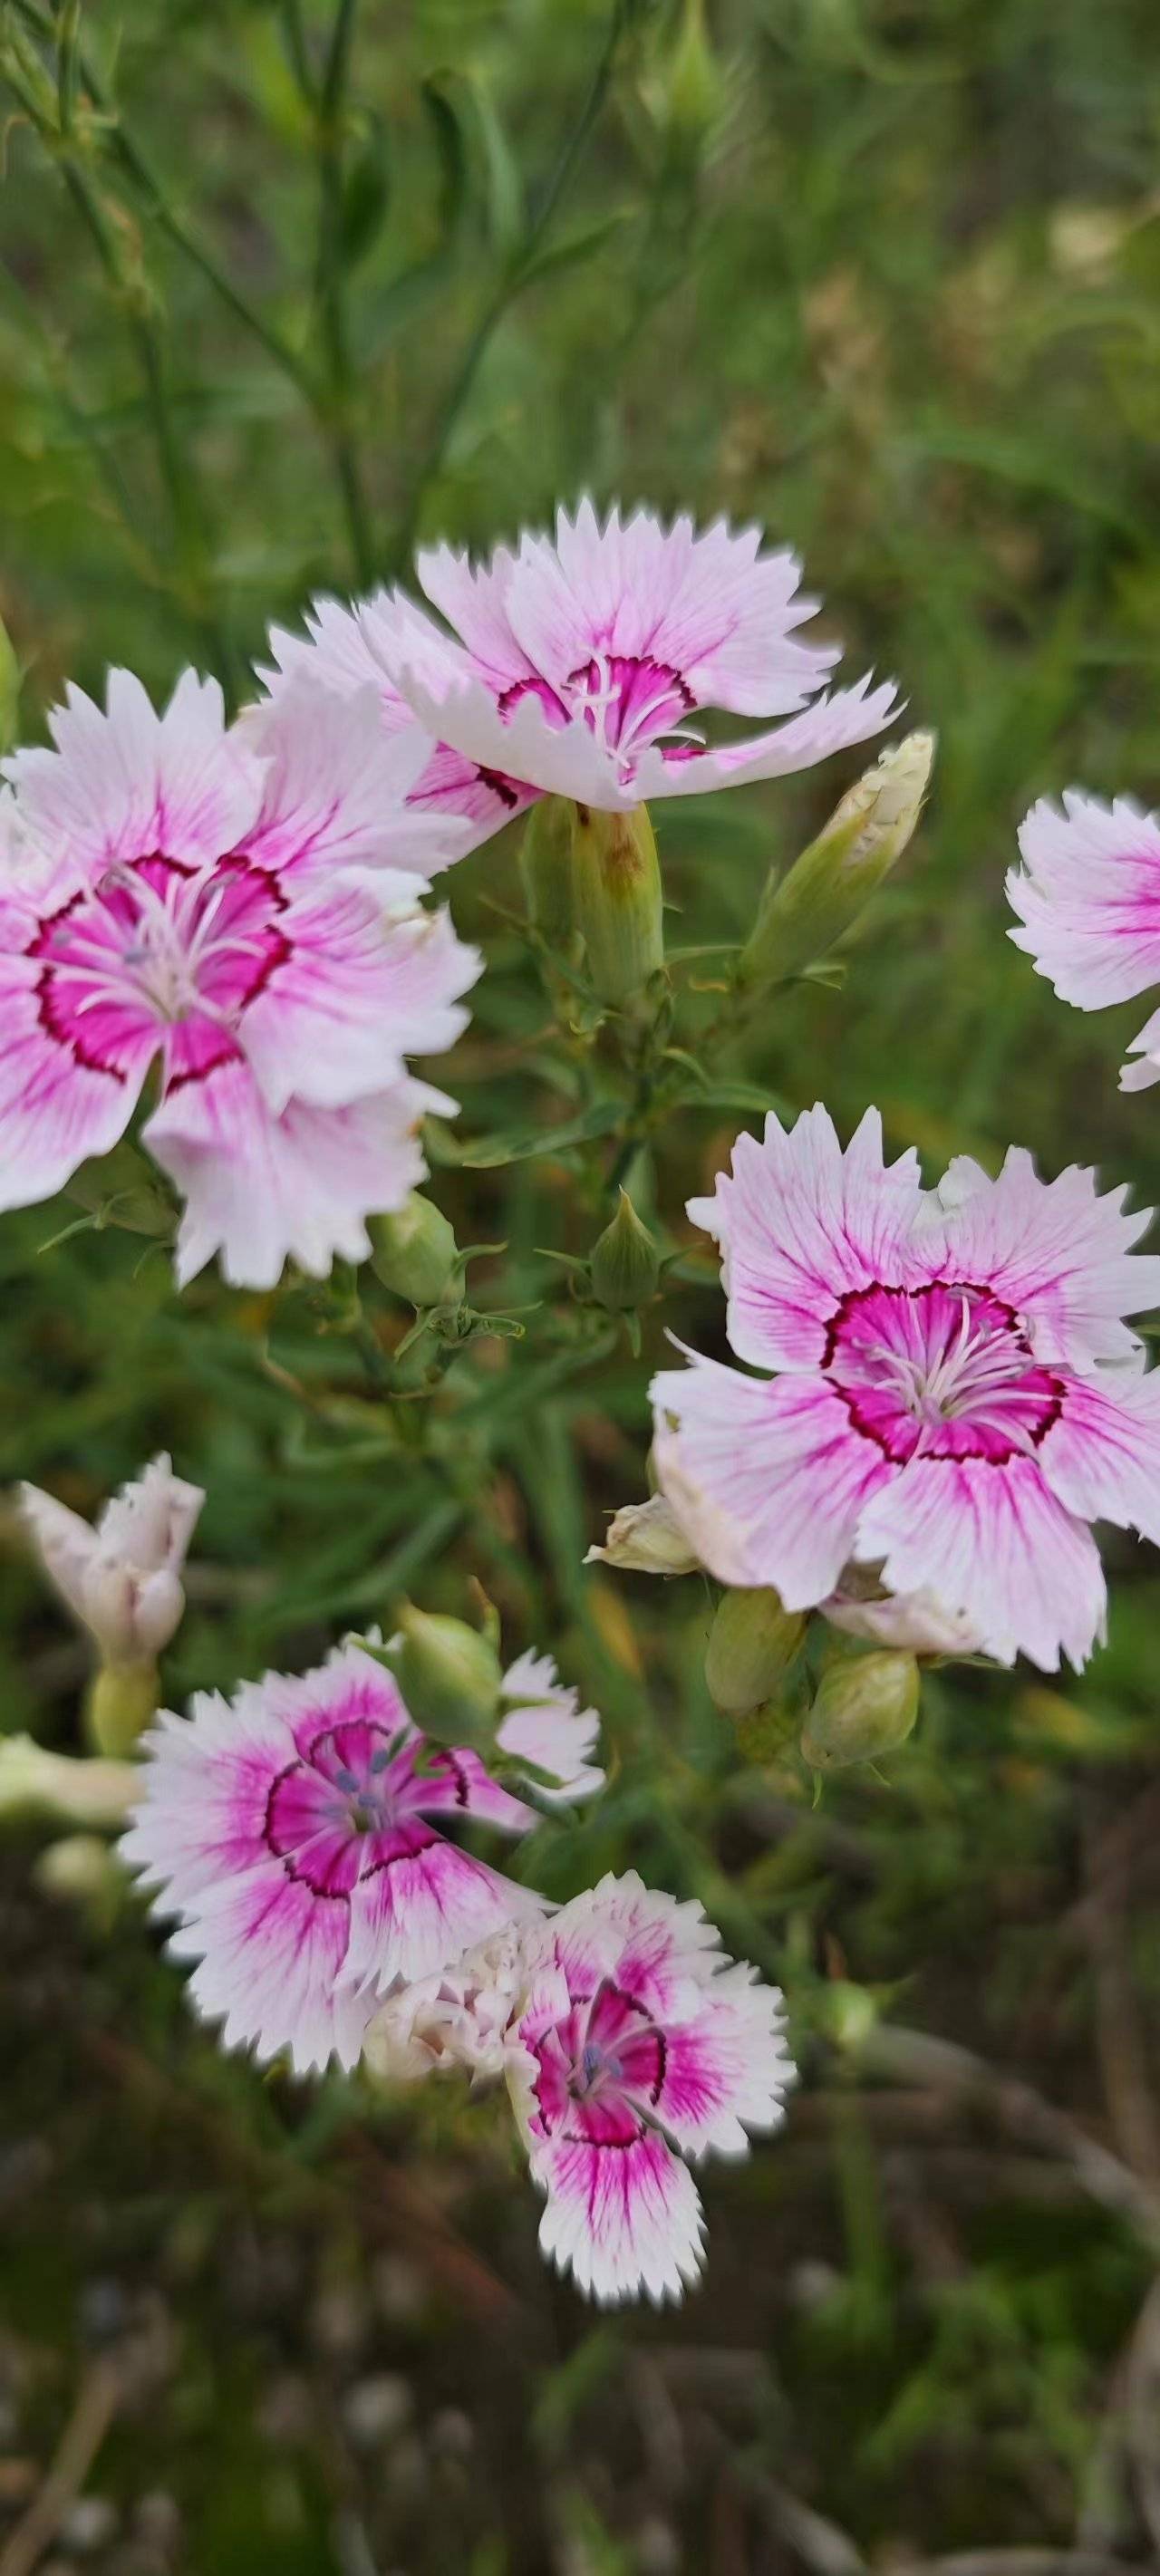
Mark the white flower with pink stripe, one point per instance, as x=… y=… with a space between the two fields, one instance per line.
x=957 y=1395
x=579 y=667
x=636 y=2045
x=300 y=1836
x=239 y=909
x=1088 y=899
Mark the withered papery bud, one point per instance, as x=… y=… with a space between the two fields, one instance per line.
x=646 y=1538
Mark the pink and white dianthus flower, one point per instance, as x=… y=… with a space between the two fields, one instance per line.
x=635 y=2045
x=299 y=1835
x=1088 y=899
x=239 y=909
x=578 y=667
x=957 y=1396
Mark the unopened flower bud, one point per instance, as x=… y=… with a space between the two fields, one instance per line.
x=624 y=1267
x=764 y=1734
x=752 y=1643
x=414 y=1252
x=546 y=868
x=695 y=91
x=449 y=1675
x=646 y=1538
x=833 y=880
x=86 y=1793
x=616 y=899
x=121 y=1579
x=865 y=1706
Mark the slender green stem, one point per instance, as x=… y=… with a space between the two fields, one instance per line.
x=515 y=275
x=296 y=47
x=177 y=472
x=128 y=156
x=326 y=101
x=81 y=422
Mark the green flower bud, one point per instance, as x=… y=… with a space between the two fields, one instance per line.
x=546 y=868
x=121 y=1700
x=624 y=1268
x=449 y=1676
x=764 y=1734
x=833 y=880
x=414 y=1252
x=695 y=92
x=752 y=1643
x=616 y=899
x=865 y=1705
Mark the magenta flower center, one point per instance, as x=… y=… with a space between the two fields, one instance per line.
x=352 y=1804
x=157 y=947
x=944 y=1371
x=625 y=699
x=600 y=2070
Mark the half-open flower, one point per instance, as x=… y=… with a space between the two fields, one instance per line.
x=300 y=1836
x=957 y=1396
x=122 y=1576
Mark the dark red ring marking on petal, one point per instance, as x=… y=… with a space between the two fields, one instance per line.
x=424 y=1839
x=442 y=1761
x=604 y=2146
x=505 y=788
x=302 y=1877
x=852 y=1298
x=1034 y=1433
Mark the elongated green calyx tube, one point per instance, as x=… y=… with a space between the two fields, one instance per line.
x=864 y=1706
x=624 y=1266
x=752 y=1643
x=414 y=1252
x=546 y=868
x=616 y=899
x=121 y=1701
x=833 y=880
x=449 y=1676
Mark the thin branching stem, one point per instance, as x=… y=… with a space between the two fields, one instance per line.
x=515 y=274
x=325 y=99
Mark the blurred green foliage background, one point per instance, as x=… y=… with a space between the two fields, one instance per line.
x=885 y=277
